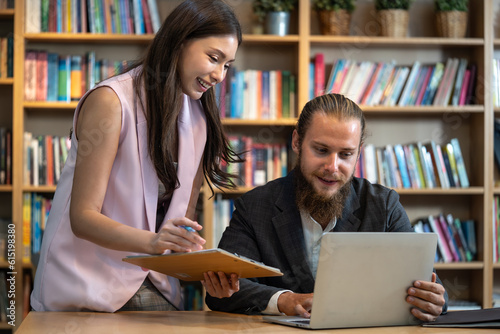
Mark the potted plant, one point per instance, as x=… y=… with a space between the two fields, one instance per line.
x=393 y=17
x=276 y=14
x=451 y=17
x=334 y=15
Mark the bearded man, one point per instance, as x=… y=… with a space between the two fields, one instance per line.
x=282 y=222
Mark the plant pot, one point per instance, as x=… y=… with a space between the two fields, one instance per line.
x=278 y=23
x=334 y=22
x=451 y=24
x=393 y=22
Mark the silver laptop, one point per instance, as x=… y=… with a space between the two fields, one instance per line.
x=362 y=279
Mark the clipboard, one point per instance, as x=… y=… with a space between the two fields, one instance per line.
x=191 y=266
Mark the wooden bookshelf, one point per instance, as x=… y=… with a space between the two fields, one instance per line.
x=298 y=49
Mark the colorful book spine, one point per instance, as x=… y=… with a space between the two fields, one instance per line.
x=64 y=84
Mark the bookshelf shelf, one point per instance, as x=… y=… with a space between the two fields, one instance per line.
x=423 y=109
x=39 y=189
x=4 y=265
x=368 y=41
x=289 y=39
x=7 y=13
x=50 y=105
x=440 y=191
x=5 y=326
x=5 y=188
x=87 y=38
x=496 y=265
x=259 y=122
x=496 y=191
x=6 y=81
x=474 y=265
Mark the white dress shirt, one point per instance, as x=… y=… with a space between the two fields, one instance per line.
x=313 y=232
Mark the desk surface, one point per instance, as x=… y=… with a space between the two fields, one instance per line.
x=191 y=322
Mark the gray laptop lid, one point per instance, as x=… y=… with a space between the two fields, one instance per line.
x=362 y=278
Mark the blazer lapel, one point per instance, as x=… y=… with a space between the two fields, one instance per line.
x=349 y=222
x=291 y=237
x=149 y=178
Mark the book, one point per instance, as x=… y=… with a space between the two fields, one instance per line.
x=462 y=172
x=30 y=75
x=462 y=66
x=76 y=78
x=191 y=266
x=439 y=95
x=64 y=81
x=405 y=95
x=52 y=76
x=381 y=85
x=402 y=165
x=482 y=318
x=319 y=74
x=471 y=90
x=443 y=246
x=155 y=15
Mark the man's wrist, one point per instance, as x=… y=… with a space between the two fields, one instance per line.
x=272 y=305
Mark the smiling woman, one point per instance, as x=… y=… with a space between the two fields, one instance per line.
x=135 y=190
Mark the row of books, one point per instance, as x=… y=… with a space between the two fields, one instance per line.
x=415 y=165
x=92 y=16
x=388 y=84
x=5 y=156
x=496 y=229
x=456 y=238
x=44 y=158
x=256 y=94
x=223 y=211
x=7 y=4
x=7 y=56
x=49 y=76
x=263 y=161
x=36 y=210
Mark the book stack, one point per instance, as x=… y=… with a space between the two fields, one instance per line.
x=263 y=161
x=5 y=156
x=92 y=16
x=44 y=158
x=388 y=84
x=256 y=94
x=456 y=238
x=415 y=165
x=50 y=76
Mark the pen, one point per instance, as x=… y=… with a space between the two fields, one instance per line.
x=188 y=228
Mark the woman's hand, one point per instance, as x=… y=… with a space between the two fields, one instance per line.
x=219 y=285
x=175 y=236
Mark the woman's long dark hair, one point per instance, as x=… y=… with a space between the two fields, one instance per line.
x=160 y=76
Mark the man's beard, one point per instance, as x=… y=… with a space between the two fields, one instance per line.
x=322 y=209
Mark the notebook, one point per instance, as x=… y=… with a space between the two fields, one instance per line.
x=362 y=279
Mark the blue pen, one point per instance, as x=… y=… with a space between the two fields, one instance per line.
x=188 y=228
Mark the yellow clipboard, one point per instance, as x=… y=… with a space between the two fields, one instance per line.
x=191 y=266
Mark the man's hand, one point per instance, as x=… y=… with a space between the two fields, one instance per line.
x=428 y=299
x=219 y=286
x=295 y=304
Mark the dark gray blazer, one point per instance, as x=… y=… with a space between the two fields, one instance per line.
x=266 y=226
